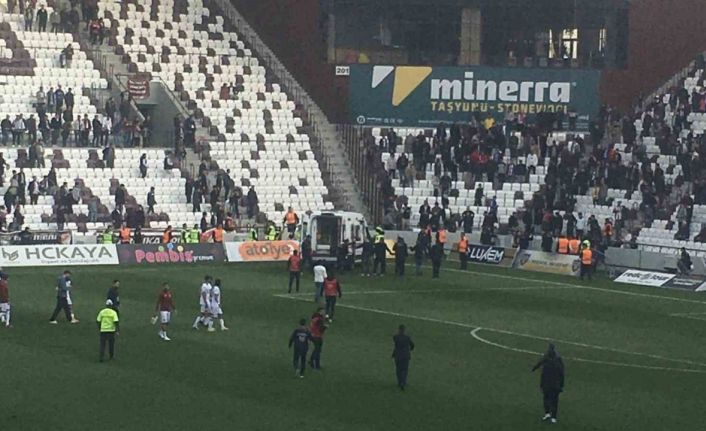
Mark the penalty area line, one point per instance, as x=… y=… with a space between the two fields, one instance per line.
x=475 y=329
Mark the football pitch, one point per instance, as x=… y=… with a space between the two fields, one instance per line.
x=635 y=357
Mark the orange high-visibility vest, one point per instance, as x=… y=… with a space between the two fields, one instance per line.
x=125 y=235
x=574 y=246
x=166 y=237
x=463 y=245
x=587 y=257
x=442 y=235
x=291 y=217
x=563 y=245
x=218 y=235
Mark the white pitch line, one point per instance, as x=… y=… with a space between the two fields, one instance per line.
x=578 y=286
x=476 y=328
x=474 y=334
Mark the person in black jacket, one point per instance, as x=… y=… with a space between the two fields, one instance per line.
x=402 y=354
x=114 y=296
x=436 y=253
x=552 y=382
x=380 y=256
x=400 y=250
x=366 y=256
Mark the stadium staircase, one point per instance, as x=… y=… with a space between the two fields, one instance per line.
x=326 y=143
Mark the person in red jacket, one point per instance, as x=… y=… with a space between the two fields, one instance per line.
x=332 y=290
x=317 y=327
x=294 y=265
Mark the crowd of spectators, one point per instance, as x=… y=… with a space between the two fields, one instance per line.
x=582 y=164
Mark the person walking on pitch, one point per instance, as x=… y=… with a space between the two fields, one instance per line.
x=108 y=328
x=294 y=265
x=317 y=326
x=204 y=302
x=319 y=278
x=63 y=299
x=300 y=339
x=4 y=300
x=402 y=354
x=551 y=382
x=163 y=311
x=114 y=296
x=332 y=290
x=215 y=307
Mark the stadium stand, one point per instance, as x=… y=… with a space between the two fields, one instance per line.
x=256 y=129
x=643 y=175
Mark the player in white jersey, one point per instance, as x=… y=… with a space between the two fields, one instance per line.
x=204 y=302
x=215 y=310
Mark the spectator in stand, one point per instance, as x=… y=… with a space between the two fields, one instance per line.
x=58 y=96
x=55 y=21
x=6 y=129
x=120 y=196
x=143 y=165
x=151 y=201
x=29 y=16
x=252 y=201
x=69 y=100
x=18 y=130
x=42 y=17
x=109 y=156
x=33 y=191
x=189 y=131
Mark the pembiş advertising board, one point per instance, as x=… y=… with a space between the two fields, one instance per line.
x=644 y=278
x=160 y=254
x=260 y=251
x=485 y=254
x=540 y=261
x=423 y=96
x=58 y=255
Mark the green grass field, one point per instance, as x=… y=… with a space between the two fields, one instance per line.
x=634 y=361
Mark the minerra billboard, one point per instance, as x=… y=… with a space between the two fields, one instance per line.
x=423 y=96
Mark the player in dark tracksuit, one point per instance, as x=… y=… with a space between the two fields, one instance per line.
x=317 y=326
x=380 y=255
x=402 y=353
x=300 y=340
x=552 y=382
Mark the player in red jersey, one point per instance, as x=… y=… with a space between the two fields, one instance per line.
x=4 y=301
x=163 y=309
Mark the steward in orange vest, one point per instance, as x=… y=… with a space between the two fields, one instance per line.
x=218 y=234
x=291 y=219
x=167 y=235
x=125 y=235
x=563 y=245
x=463 y=251
x=317 y=326
x=586 y=256
x=574 y=246
x=294 y=264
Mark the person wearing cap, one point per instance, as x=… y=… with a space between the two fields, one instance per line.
x=551 y=382
x=108 y=328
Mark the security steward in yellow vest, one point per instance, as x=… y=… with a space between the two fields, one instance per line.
x=108 y=328
x=252 y=234
x=586 y=256
x=106 y=237
x=463 y=251
x=562 y=246
x=184 y=234
x=194 y=235
x=271 y=233
x=379 y=234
